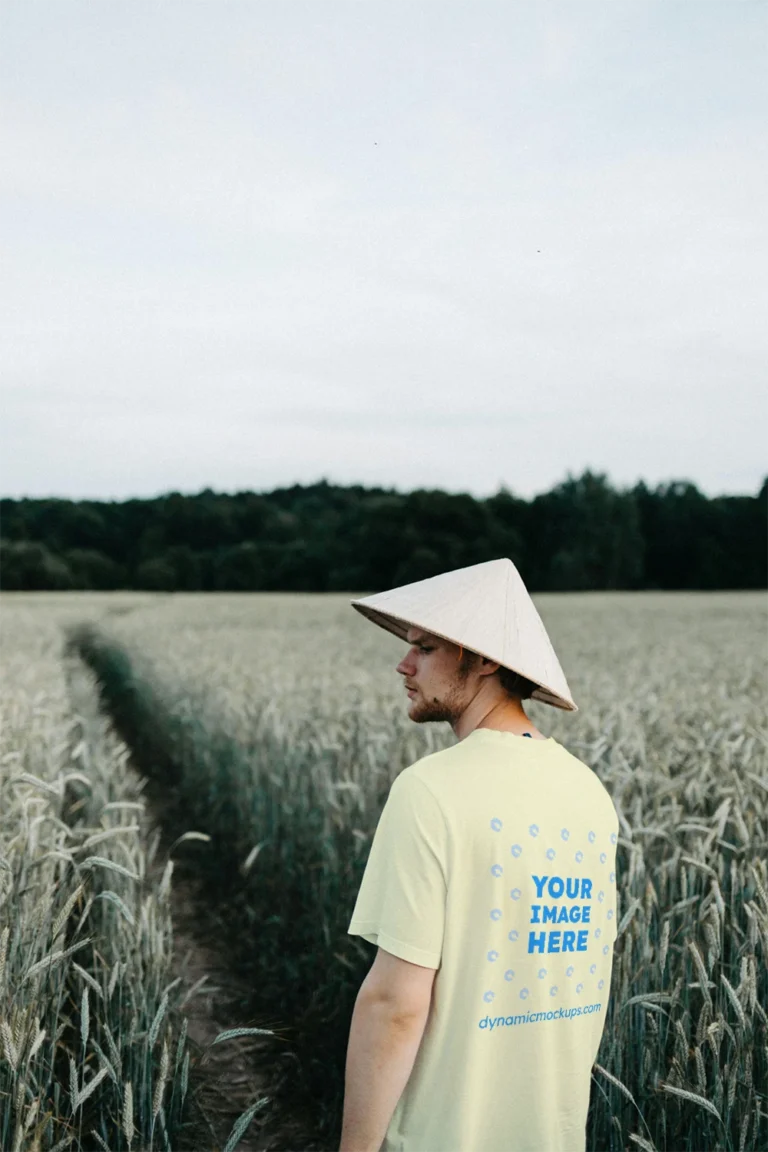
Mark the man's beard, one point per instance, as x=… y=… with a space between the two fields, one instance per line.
x=434 y=710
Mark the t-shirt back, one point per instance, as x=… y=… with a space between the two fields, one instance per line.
x=494 y=861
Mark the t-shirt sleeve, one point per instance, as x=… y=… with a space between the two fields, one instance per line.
x=401 y=901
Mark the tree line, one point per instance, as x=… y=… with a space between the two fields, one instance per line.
x=582 y=535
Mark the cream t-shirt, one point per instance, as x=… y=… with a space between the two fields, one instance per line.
x=494 y=862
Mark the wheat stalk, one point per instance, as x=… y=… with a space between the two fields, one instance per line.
x=692 y=1096
x=128 y=1128
x=160 y=1086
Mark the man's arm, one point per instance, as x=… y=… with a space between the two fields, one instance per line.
x=388 y=1023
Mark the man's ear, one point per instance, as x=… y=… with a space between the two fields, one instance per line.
x=487 y=667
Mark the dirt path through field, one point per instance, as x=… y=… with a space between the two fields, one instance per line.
x=224 y=1075
x=224 y=1081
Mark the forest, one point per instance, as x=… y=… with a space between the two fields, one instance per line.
x=582 y=535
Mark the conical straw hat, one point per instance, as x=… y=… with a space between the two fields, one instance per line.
x=485 y=608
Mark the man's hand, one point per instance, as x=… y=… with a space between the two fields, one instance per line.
x=388 y=1023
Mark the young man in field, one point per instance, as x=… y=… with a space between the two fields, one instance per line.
x=490 y=892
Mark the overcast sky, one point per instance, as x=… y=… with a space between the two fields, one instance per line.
x=408 y=244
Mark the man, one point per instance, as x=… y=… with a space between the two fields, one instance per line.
x=490 y=892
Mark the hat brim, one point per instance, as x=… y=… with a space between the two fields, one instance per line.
x=398 y=626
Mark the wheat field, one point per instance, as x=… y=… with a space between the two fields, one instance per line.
x=93 y=1040
x=274 y=724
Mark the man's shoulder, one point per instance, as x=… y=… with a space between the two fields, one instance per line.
x=433 y=767
x=442 y=769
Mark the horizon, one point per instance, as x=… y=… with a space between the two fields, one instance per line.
x=391 y=489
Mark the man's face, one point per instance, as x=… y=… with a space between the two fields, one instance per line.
x=441 y=682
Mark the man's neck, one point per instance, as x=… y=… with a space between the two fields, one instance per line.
x=506 y=715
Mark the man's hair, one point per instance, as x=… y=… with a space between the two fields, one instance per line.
x=513 y=683
x=516 y=685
